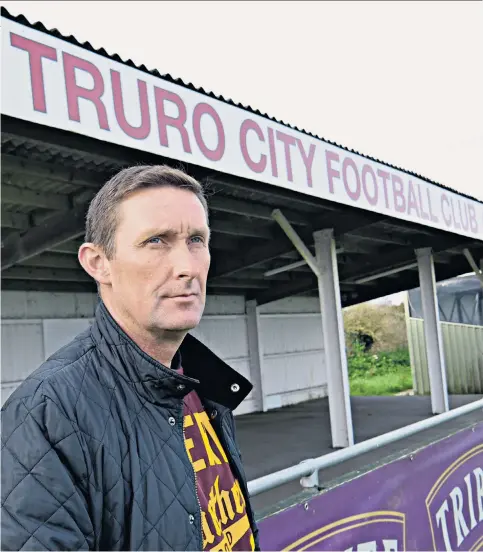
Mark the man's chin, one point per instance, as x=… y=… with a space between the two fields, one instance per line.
x=181 y=328
x=182 y=318
x=180 y=323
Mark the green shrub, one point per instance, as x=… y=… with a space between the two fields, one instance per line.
x=385 y=325
x=385 y=368
x=370 y=364
x=382 y=373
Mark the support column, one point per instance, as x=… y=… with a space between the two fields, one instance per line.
x=255 y=347
x=432 y=332
x=480 y=297
x=334 y=340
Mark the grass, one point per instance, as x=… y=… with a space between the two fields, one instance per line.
x=381 y=374
x=387 y=384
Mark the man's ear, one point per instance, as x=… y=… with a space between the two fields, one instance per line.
x=94 y=261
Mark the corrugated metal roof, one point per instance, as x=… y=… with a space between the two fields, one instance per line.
x=93 y=165
x=39 y=26
x=468 y=284
x=461 y=284
x=34 y=150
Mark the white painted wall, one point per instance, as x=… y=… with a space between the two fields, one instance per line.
x=35 y=324
x=293 y=358
x=22 y=352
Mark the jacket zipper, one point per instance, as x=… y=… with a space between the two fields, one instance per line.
x=194 y=474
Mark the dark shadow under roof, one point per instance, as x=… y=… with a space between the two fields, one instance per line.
x=49 y=176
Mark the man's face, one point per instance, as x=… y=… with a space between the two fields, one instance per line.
x=160 y=266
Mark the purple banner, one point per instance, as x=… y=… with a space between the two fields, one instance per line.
x=430 y=500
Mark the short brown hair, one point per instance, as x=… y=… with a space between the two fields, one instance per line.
x=102 y=215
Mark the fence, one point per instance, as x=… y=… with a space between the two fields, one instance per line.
x=463 y=351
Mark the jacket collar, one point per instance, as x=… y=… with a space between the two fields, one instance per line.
x=204 y=372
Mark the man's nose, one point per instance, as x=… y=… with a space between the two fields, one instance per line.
x=182 y=262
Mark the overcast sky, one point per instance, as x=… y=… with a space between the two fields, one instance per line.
x=400 y=81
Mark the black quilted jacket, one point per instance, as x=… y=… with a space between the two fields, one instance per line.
x=93 y=456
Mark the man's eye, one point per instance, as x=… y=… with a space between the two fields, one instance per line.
x=197 y=239
x=155 y=239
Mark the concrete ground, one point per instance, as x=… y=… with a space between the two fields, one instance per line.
x=284 y=437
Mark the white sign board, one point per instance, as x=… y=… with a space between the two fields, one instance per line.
x=48 y=81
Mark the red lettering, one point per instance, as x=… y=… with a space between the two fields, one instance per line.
x=206 y=109
x=288 y=141
x=161 y=96
x=446 y=216
x=138 y=132
x=463 y=215
x=472 y=218
x=273 y=152
x=36 y=51
x=307 y=159
x=331 y=173
x=412 y=201
x=255 y=166
x=348 y=162
x=385 y=178
x=398 y=193
x=434 y=218
x=456 y=223
x=74 y=91
x=372 y=199
x=421 y=205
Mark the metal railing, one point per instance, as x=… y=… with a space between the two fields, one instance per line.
x=308 y=469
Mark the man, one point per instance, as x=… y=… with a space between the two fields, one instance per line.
x=125 y=438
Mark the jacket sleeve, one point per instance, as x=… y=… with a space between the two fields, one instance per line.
x=43 y=506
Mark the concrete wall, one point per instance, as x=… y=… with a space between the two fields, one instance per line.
x=35 y=324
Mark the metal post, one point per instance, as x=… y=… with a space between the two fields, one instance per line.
x=409 y=332
x=432 y=332
x=255 y=348
x=296 y=240
x=479 y=297
x=474 y=266
x=324 y=267
x=334 y=340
